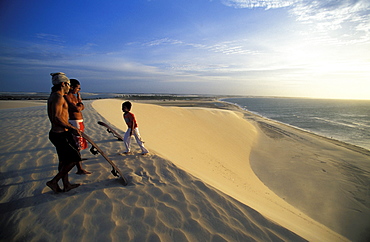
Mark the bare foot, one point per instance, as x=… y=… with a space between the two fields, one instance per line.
x=127 y=153
x=83 y=172
x=70 y=187
x=145 y=153
x=54 y=186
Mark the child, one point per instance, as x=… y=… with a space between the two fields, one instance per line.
x=132 y=129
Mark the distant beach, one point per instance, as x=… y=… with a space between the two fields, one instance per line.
x=344 y=120
x=215 y=172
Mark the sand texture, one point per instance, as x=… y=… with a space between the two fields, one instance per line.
x=212 y=175
x=20 y=104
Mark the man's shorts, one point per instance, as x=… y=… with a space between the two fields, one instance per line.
x=66 y=147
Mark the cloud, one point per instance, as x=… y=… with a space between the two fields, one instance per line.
x=50 y=38
x=347 y=19
x=333 y=14
x=163 y=41
x=226 y=47
x=230 y=47
x=267 y=4
x=88 y=46
x=23 y=53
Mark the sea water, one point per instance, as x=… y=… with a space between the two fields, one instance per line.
x=344 y=120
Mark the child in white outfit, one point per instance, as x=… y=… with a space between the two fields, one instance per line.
x=132 y=129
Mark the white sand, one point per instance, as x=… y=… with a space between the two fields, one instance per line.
x=177 y=193
x=5 y=104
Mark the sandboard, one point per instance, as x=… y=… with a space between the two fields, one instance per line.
x=95 y=150
x=110 y=130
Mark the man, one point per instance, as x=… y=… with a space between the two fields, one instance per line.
x=61 y=132
x=75 y=106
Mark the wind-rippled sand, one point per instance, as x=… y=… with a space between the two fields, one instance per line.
x=161 y=202
x=212 y=175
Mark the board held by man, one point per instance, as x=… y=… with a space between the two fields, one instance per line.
x=95 y=149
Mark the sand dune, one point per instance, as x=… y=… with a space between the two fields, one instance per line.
x=215 y=145
x=196 y=185
x=161 y=203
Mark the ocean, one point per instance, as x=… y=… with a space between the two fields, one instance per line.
x=344 y=120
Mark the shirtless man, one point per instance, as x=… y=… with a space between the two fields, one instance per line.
x=75 y=106
x=61 y=132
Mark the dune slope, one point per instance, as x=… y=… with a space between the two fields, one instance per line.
x=215 y=146
x=161 y=203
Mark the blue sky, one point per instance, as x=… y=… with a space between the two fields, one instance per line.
x=299 y=48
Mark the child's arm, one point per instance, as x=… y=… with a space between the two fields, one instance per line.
x=132 y=123
x=132 y=127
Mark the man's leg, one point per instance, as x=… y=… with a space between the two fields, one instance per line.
x=62 y=174
x=80 y=170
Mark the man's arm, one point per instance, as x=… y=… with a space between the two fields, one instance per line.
x=79 y=101
x=60 y=117
x=74 y=106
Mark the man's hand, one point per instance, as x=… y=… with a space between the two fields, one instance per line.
x=79 y=99
x=75 y=131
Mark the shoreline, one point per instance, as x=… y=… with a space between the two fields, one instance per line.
x=7 y=104
x=218 y=103
x=357 y=147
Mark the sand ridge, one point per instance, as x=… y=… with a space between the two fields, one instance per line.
x=161 y=203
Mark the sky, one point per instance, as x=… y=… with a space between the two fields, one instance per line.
x=293 y=48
